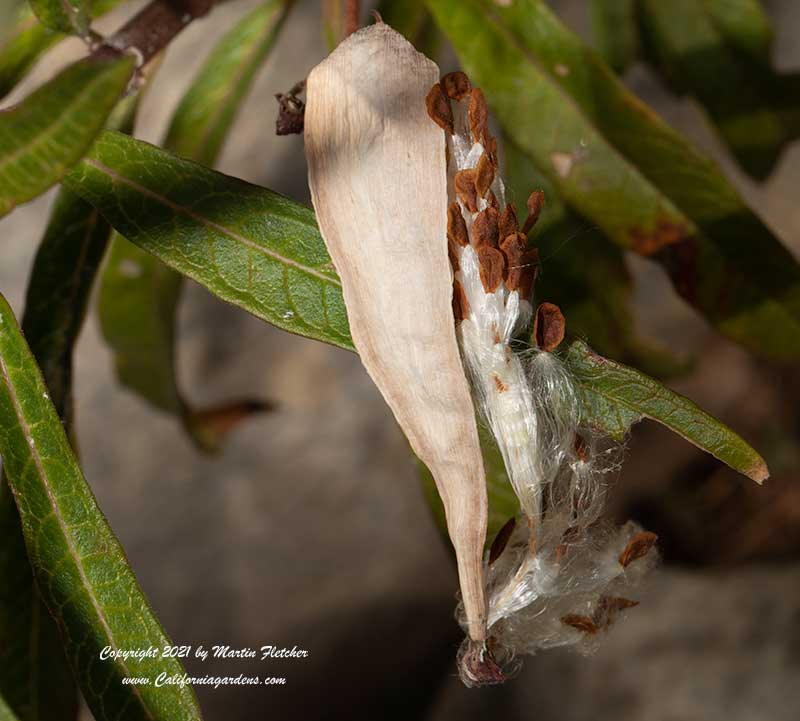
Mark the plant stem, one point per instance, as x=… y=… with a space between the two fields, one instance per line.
x=154 y=27
x=351 y=17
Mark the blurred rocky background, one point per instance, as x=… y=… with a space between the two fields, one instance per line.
x=311 y=528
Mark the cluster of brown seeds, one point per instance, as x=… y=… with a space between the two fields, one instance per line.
x=501 y=245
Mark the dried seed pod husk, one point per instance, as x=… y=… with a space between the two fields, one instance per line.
x=378 y=183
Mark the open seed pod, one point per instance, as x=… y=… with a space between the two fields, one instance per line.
x=378 y=180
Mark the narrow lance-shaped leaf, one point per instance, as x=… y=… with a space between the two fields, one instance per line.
x=744 y=97
x=615 y=31
x=28 y=40
x=621 y=167
x=248 y=245
x=48 y=132
x=58 y=292
x=6 y=714
x=67 y=16
x=33 y=670
x=745 y=24
x=615 y=396
x=209 y=107
x=22 y=46
x=584 y=274
x=79 y=565
x=139 y=294
x=333 y=22
x=34 y=674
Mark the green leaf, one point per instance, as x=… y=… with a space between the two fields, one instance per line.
x=615 y=396
x=249 y=246
x=23 y=46
x=617 y=164
x=34 y=676
x=66 y=16
x=137 y=303
x=34 y=673
x=79 y=565
x=748 y=102
x=744 y=23
x=48 y=132
x=584 y=273
x=333 y=22
x=139 y=294
x=58 y=293
x=28 y=40
x=208 y=109
x=6 y=714
x=615 y=31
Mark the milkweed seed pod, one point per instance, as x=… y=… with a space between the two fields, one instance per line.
x=379 y=187
x=437 y=278
x=556 y=578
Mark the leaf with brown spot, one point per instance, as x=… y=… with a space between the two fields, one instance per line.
x=630 y=168
x=665 y=232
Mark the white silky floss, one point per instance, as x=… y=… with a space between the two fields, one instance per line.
x=556 y=583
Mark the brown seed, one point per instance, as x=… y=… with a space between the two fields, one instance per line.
x=582 y=623
x=535 y=205
x=499 y=384
x=530 y=271
x=456 y=85
x=478 y=115
x=489 y=143
x=439 y=108
x=508 y=221
x=548 y=327
x=464 y=182
x=491 y=198
x=501 y=540
x=492 y=266
x=452 y=254
x=460 y=302
x=513 y=248
x=637 y=547
x=484 y=175
x=456 y=226
x=609 y=607
x=484 y=229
